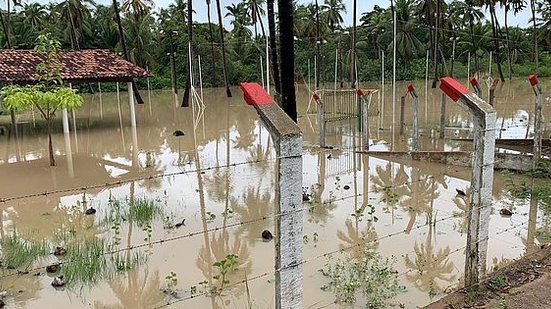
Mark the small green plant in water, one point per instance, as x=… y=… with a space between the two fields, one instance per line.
x=224 y=268
x=210 y=217
x=143 y=211
x=370 y=276
x=389 y=196
x=171 y=282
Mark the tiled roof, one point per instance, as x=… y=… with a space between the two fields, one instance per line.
x=19 y=66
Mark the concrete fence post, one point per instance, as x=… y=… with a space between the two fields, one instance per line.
x=476 y=86
x=443 y=116
x=321 y=118
x=484 y=119
x=402 y=108
x=415 y=107
x=365 y=100
x=538 y=134
x=492 y=91
x=287 y=138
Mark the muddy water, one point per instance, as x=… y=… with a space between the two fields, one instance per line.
x=418 y=221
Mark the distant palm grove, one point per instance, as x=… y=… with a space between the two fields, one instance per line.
x=449 y=33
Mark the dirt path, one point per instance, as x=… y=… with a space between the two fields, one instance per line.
x=525 y=283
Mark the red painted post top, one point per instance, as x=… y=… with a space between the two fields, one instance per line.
x=359 y=92
x=315 y=96
x=410 y=88
x=452 y=88
x=533 y=79
x=254 y=94
x=474 y=81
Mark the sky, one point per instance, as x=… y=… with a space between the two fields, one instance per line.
x=363 y=5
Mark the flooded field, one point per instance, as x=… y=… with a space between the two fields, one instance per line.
x=149 y=219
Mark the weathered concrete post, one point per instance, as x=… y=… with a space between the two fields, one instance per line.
x=492 y=91
x=402 y=107
x=537 y=120
x=484 y=119
x=415 y=107
x=365 y=99
x=287 y=138
x=476 y=86
x=443 y=116
x=321 y=118
x=131 y=102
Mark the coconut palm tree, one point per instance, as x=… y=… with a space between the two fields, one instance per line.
x=466 y=14
x=491 y=7
x=211 y=39
x=124 y=47
x=353 y=48
x=34 y=15
x=407 y=44
x=535 y=31
x=273 y=46
x=224 y=65
x=517 y=6
x=333 y=10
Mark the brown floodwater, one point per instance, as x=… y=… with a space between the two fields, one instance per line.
x=220 y=178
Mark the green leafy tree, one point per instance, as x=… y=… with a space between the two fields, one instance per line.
x=48 y=95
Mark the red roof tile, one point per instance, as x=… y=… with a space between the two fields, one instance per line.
x=19 y=66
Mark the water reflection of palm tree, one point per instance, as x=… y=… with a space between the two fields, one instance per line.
x=216 y=183
x=246 y=136
x=254 y=206
x=389 y=183
x=219 y=247
x=421 y=193
x=137 y=291
x=429 y=266
x=358 y=240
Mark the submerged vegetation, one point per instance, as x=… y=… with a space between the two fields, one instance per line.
x=369 y=277
x=21 y=253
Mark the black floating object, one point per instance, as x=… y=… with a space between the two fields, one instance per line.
x=180 y=224
x=460 y=192
x=59 y=251
x=54 y=268
x=22 y=272
x=178 y=133
x=58 y=282
x=329 y=156
x=267 y=235
x=305 y=197
x=346 y=187
x=505 y=212
x=90 y=211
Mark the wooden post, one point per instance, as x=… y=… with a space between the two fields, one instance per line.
x=538 y=134
x=287 y=138
x=131 y=102
x=100 y=101
x=484 y=120
x=402 y=107
x=443 y=116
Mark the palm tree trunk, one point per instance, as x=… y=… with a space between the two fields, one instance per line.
x=534 y=33
x=185 y=98
x=273 y=46
x=318 y=46
x=211 y=35
x=435 y=47
x=224 y=67
x=496 y=42
x=286 y=41
x=7 y=34
x=353 y=49
x=124 y=49
x=507 y=43
x=471 y=26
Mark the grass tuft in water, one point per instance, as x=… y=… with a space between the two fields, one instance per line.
x=87 y=264
x=143 y=211
x=18 y=252
x=371 y=277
